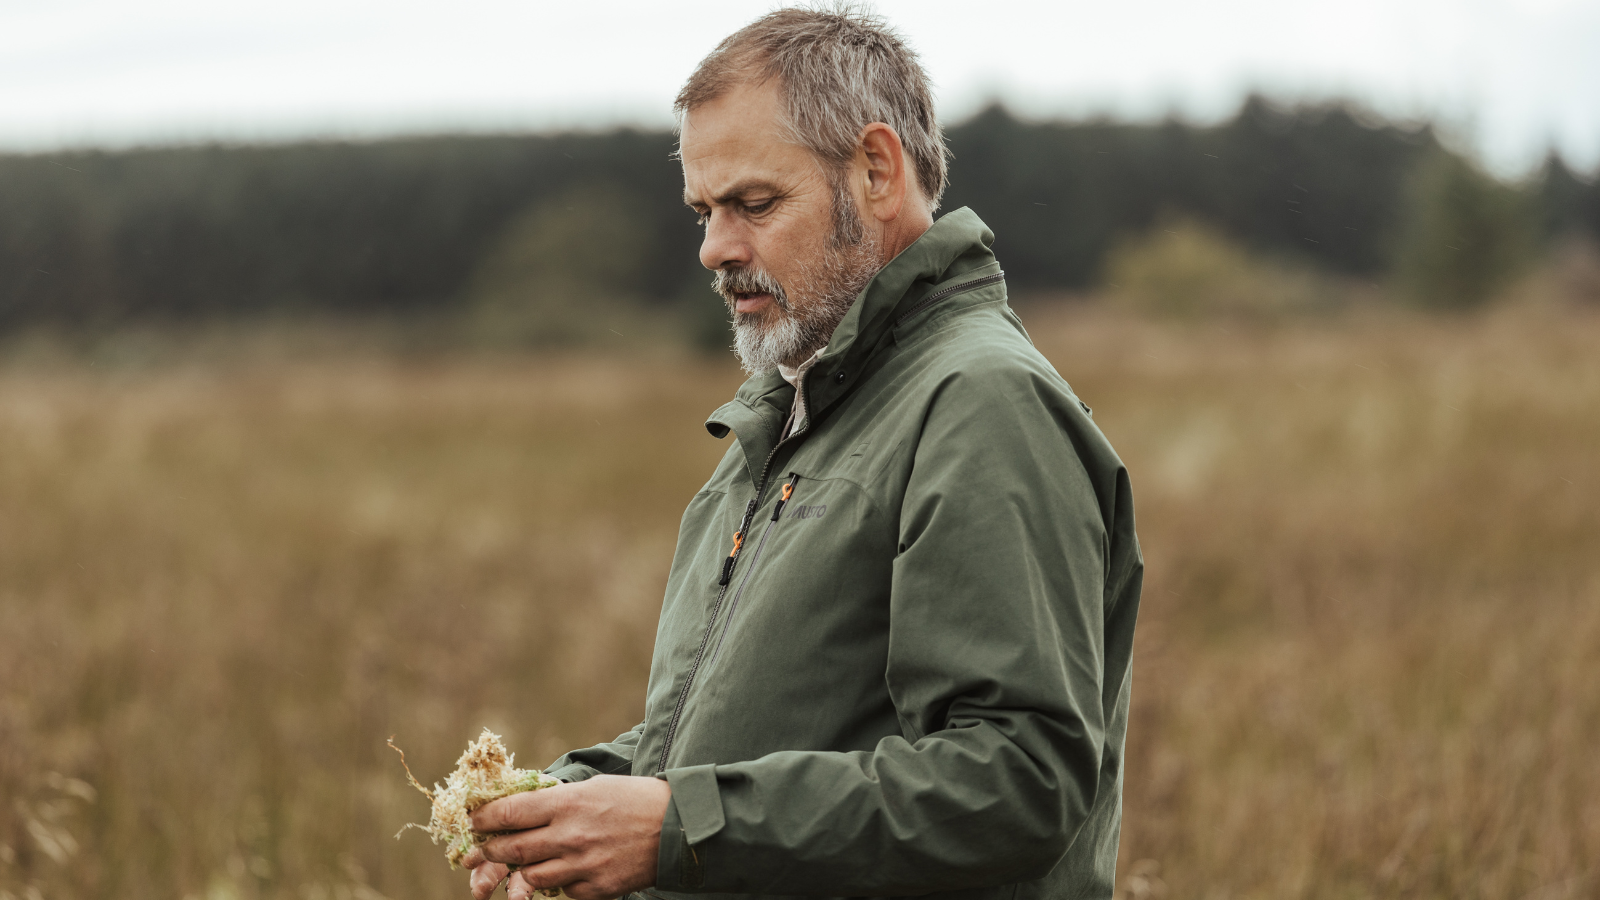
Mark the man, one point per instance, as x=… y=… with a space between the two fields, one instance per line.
x=893 y=654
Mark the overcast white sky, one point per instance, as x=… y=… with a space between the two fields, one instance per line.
x=1510 y=76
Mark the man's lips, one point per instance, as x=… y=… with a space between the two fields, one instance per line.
x=748 y=303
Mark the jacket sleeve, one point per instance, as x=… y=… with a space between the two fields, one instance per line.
x=613 y=758
x=995 y=669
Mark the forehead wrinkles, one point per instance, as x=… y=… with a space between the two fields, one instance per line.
x=738 y=139
x=725 y=166
x=727 y=129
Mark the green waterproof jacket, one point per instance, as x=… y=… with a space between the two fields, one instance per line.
x=893 y=655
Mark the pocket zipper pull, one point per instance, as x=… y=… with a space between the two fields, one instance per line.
x=788 y=491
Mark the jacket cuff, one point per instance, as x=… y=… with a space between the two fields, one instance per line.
x=694 y=790
x=573 y=772
x=694 y=813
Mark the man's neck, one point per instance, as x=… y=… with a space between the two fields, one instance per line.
x=903 y=230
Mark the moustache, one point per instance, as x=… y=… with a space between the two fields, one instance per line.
x=732 y=282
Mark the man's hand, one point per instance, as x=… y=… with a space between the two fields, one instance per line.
x=595 y=839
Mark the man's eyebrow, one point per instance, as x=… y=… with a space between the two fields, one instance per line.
x=739 y=191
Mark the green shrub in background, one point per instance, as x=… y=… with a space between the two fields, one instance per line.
x=1464 y=238
x=1575 y=267
x=1185 y=268
x=566 y=271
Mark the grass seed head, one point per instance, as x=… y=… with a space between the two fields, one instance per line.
x=485 y=772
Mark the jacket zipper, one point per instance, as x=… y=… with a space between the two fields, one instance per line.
x=733 y=607
x=727 y=572
x=728 y=566
x=952 y=290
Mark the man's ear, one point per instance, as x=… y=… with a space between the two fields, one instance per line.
x=881 y=155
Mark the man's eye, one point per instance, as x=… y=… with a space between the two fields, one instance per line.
x=703 y=219
x=756 y=209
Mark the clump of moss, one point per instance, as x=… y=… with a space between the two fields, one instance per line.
x=485 y=772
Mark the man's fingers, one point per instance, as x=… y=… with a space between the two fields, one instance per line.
x=530 y=880
x=473 y=859
x=485 y=878
x=529 y=809
x=522 y=848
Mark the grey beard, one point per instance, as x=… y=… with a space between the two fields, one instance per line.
x=806 y=314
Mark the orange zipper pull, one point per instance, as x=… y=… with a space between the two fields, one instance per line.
x=738 y=541
x=733 y=556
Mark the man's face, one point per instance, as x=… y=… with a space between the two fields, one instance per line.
x=788 y=248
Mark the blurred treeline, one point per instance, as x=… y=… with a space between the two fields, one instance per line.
x=528 y=236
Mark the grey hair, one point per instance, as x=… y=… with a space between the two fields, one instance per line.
x=840 y=68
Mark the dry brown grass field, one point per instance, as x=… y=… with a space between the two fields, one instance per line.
x=1368 y=663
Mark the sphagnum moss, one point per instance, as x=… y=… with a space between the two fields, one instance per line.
x=485 y=772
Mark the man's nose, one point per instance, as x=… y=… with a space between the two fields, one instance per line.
x=725 y=245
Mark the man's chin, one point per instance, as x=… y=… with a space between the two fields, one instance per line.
x=762 y=344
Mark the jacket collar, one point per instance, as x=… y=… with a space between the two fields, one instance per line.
x=956 y=247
